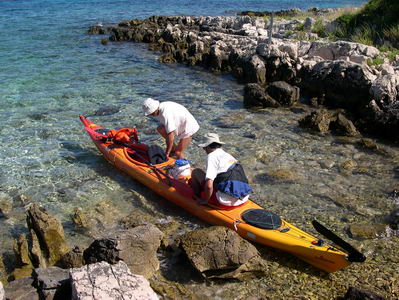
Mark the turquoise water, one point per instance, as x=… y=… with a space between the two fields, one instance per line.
x=52 y=71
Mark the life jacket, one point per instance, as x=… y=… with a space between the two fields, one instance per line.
x=233 y=182
x=124 y=135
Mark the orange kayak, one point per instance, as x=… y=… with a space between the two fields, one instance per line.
x=250 y=220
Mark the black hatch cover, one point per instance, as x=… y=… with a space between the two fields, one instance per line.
x=261 y=218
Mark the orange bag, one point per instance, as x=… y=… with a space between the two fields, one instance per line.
x=123 y=135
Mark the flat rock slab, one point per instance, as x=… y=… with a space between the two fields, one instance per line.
x=102 y=281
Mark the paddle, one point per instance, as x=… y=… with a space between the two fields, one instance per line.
x=354 y=254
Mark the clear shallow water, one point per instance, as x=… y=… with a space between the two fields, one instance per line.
x=52 y=71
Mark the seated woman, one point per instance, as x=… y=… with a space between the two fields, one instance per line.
x=224 y=183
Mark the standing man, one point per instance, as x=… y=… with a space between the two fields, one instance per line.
x=176 y=121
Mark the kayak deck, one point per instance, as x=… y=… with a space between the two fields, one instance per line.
x=133 y=160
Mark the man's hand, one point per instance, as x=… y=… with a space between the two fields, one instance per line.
x=169 y=143
x=200 y=200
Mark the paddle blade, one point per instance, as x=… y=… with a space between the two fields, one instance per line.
x=354 y=254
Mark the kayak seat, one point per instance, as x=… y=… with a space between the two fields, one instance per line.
x=137 y=155
x=261 y=218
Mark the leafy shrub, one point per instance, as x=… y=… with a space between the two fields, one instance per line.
x=392 y=34
x=320 y=28
x=375 y=61
x=300 y=27
x=364 y=35
x=378 y=18
x=392 y=54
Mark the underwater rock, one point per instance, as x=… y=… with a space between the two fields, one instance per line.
x=20 y=273
x=345 y=126
x=49 y=232
x=171 y=289
x=279 y=175
x=355 y=293
x=318 y=120
x=5 y=204
x=137 y=218
x=348 y=165
x=81 y=220
x=107 y=111
x=368 y=231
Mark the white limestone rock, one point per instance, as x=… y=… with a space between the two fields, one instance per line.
x=1 y=291
x=102 y=281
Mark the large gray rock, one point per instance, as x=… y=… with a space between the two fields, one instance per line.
x=256 y=96
x=220 y=250
x=52 y=283
x=102 y=281
x=385 y=89
x=343 y=84
x=137 y=247
x=338 y=50
x=21 y=289
x=283 y=93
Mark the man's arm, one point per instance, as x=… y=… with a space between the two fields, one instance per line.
x=170 y=137
x=208 y=190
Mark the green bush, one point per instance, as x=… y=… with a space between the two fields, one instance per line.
x=300 y=27
x=364 y=35
x=319 y=28
x=379 y=19
x=392 y=34
x=392 y=55
x=288 y=33
x=345 y=19
x=375 y=62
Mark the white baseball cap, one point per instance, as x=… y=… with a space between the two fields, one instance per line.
x=211 y=138
x=149 y=106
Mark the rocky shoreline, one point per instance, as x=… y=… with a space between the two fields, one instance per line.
x=130 y=263
x=278 y=71
x=153 y=259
